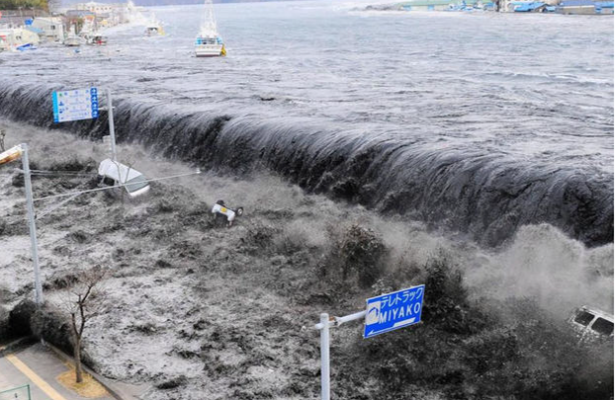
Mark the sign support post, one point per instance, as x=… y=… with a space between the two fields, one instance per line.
x=383 y=313
x=323 y=327
x=324 y=357
x=38 y=288
x=111 y=125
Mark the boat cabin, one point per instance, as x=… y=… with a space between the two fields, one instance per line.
x=154 y=30
x=208 y=40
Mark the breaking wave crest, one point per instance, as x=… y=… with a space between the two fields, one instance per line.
x=487 y=195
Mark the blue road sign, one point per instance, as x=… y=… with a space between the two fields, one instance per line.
x=392 y=311
x=73 y=105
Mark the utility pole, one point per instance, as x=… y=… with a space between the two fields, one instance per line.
x=38 y=288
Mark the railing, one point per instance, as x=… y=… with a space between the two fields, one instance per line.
x=17 y=393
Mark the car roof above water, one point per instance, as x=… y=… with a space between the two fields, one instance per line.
x=598 y=313
x=117 y=171
x=592 y=321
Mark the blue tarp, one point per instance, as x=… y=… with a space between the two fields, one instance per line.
x=576 y=3
x=527 y=7
x=24 y=47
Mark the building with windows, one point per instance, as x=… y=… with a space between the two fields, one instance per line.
x=52 y=28
x=93 y=7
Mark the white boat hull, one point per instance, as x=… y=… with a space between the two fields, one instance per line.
x=208 y=50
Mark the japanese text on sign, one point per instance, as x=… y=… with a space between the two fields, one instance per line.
x=393 y=311
x=73 y=105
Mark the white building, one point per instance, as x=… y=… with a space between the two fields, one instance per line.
x=53 y=28
x=14 y=39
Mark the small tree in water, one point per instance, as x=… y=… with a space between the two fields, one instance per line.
x=85 y=303
x=361 y=251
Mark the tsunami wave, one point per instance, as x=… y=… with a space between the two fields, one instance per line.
x=483 y=193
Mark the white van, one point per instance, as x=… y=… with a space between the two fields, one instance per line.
x=113 y=173
x=592 y=324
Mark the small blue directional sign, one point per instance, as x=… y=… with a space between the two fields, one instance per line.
x=392 y=311
x=73 y=105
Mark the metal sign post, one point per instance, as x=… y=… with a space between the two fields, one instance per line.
x=324 y=356
x=325 y=323
x=384 y=313
x=38 y=288
x=111 y=125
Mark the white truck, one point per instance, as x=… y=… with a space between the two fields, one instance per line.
x=592 y=324
x=113 y=173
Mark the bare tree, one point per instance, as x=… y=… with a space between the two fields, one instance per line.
x=85 y=303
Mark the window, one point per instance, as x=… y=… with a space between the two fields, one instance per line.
x=583 y=318
x=136 y=183
x=603 y=327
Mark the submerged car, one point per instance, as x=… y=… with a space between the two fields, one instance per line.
x=592 y=324
x=113 y=173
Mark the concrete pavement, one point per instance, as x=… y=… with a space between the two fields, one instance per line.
x=38 y=367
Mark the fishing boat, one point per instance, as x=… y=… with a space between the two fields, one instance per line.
x=72 y=40
x=208 y=42
x=91 y=35
x=97 y=39
x=86 y=29
x=154 y=27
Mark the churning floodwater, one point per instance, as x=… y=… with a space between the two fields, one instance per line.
x=474 y=123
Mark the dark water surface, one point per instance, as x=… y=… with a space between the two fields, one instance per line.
x=478 y=123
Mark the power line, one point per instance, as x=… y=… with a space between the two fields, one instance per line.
x=61 y=173
x=55 y=207
x=55 y=196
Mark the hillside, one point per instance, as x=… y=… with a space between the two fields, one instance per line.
x=23 y=4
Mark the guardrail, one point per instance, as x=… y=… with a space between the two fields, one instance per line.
x=16 y=393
